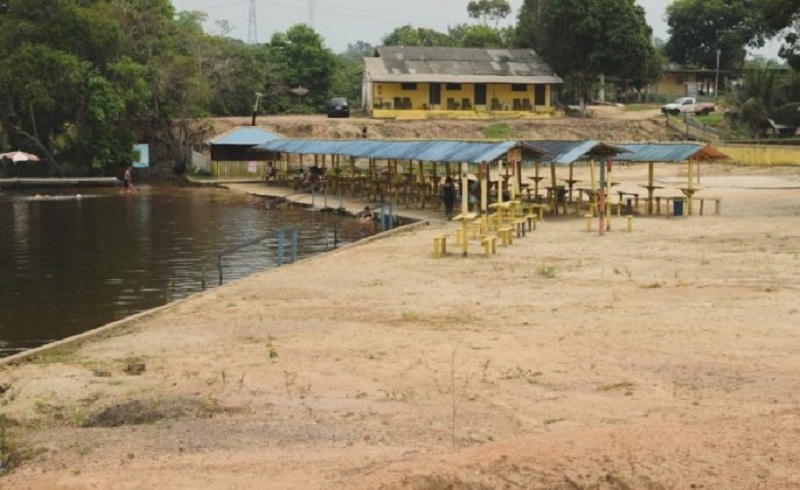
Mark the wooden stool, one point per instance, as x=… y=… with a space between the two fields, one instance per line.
x=439 y=246
x=505 y=235
x=489 y=244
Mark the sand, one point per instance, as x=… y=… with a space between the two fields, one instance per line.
x=661 y=358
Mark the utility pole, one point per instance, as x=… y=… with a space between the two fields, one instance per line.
x=719 y=51
x=252 y=31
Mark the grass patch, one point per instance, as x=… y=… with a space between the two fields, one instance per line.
x=546 y=272
x=713 y=119
x=641 y=107
x=497 y=131
x=11 y=454
x=622 y=385
x=59 y=355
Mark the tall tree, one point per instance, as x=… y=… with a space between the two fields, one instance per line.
x=488 y=10
x=416 y=36
x=529 y=25
x=314 y=73
x=478 y=36
x=782 y=17
x=699 y=28
x=582 y=39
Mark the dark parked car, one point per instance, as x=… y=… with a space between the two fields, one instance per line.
x=337 y=107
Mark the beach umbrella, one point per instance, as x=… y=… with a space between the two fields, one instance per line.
x=19 y=156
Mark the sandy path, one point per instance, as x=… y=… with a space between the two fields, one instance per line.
x=661 y=358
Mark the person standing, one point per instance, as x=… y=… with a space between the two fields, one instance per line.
x=127 y=180
x=448 y=197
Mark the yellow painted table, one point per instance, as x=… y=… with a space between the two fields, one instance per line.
x=465 y=219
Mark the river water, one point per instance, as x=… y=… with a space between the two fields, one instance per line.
x=74 y=259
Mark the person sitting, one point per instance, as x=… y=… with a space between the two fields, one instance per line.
x=269 y=172
x=367 y=215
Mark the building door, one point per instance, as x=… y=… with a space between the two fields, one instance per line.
x=480 y=94
x=538 y=95
x=435 y=94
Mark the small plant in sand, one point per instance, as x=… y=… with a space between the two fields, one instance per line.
x=625 y=386
x=398 y=395
x=453 y=388
x=289 y=379
x=272 y=352
x=521 y=373
x=652 y=285
x=546 y=272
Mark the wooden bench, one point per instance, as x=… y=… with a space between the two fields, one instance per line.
x=439 y=246
x=489 y=244
x=717 y=204
x=622 y=196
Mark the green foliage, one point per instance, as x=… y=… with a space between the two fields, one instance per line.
x=298 y=58
x=488 y=10
x=782 y=17
x=609 y=37
x=496 y=131
x=479 y=36
x=419 y=36
x=698 y=28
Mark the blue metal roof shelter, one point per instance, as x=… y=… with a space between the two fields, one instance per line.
x=427 y=150
x=244 y=136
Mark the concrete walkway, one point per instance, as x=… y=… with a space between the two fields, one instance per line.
x=319 y=201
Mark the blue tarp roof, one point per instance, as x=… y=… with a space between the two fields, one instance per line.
x=244 y=136
x=429 y=150
x=660 y=152
x=558 y=152
x=566 y=152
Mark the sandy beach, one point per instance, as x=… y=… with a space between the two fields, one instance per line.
x=661 y=358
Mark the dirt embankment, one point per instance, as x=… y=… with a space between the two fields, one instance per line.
x=605 y=124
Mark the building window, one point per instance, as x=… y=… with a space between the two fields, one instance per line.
x=453 y=86
x=519 y=87
x=408 y=86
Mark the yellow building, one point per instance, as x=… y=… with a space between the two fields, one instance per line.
x=681 y=82
x=470 y=83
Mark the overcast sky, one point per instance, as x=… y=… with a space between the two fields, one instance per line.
x=342 y=22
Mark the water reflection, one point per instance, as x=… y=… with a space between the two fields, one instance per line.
x=69 y=263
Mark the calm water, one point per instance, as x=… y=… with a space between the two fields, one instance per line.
x=71 y=264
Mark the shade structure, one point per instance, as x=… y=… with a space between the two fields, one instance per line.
x=19 y=156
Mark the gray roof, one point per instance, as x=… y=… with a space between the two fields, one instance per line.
x=565 y=152
x=556 y=151
x=426 y=150
x=458 y=65
x=666 y=152
x=243 y=136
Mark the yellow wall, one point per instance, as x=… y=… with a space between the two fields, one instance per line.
x=237 y=169
x=383 y=93
x=762 y=155
x=467 y=92
x=674 y=83
x=388 y=91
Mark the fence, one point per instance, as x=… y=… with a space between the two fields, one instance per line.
x=764 y=155
x=281 y=237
